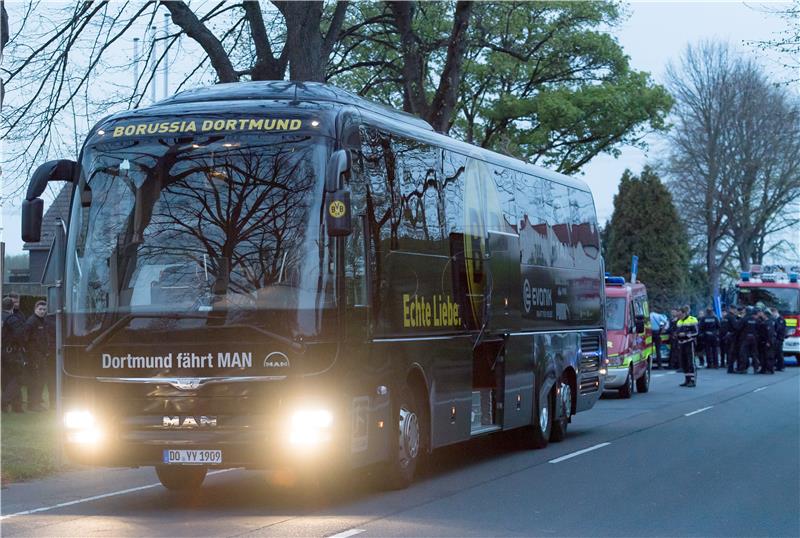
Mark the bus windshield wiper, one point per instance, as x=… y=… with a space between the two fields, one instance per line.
x=127 y=318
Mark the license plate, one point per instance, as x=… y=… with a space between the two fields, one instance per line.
x=193 y=457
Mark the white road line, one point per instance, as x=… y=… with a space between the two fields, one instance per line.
x=698 y=411
x=659 y=375
x=759 y=389
x=579 y=452
x=95 y=497
x=345 y=534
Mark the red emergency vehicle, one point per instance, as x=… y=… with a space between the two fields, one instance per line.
x=629 y=339
x=774 y=287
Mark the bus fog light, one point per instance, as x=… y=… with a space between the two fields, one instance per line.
x=78 y=420
x=310 y=427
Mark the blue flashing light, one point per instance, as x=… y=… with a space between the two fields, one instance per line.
x=745 y=276
x=615 y=281
x=792 y=277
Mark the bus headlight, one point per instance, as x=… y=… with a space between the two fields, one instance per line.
x=78 y=420
x=81 y=427
x=310 y=427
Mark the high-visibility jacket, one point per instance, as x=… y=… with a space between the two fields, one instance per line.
x=687 y=329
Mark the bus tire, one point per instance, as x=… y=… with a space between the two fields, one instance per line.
x=627 y=389
x=564 y=407
x=181 y=478
x=406 y=447
x=643 y=383
x=542 y=425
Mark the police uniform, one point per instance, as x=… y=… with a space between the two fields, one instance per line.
x=687 y=330
x=780 y=336
x=748 y=350
x=766 y=344
x=733 y=330
x=13 y=359
x=709 y=329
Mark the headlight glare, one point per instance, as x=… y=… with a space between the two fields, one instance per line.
x=78 y=420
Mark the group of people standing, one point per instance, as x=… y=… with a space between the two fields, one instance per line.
x=28 y=356
x=745 y=337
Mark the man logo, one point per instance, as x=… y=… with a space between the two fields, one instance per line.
x=189 y=422
x=276 y=359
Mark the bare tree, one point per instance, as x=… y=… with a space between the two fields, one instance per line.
x=734 y=162
x=51 y=72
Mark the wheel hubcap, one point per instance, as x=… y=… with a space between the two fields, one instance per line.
x=543 y=418
x=566 y=401
x=409 y=436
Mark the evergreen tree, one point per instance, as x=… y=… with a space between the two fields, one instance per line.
x=645 y=223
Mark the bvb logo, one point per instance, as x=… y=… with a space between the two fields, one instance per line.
x=337 y=209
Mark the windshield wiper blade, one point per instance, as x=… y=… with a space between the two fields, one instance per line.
x=127 y=318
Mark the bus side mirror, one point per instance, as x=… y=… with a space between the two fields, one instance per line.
x=338 y=164
x=32 y=211
x=33 y=206
x=338 y=212
x=640 y=324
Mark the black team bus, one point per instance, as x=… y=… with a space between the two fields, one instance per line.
x=276 y=274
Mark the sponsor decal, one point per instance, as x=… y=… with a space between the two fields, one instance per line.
x=437 y=311
x=206 y=126
x=535 y=297
x=223 y=359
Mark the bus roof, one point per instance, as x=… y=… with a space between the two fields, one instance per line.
x=291 y=94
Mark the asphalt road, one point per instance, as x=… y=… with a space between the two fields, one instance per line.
x=722 y=459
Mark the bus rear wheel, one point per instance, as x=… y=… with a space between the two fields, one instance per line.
x=563 y=399
x=181 y=478
x=542 y=421
x=406 y=447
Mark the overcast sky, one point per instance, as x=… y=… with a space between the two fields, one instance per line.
x=654 y=34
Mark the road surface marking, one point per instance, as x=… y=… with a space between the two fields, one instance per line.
x=94 y=498
x=579 y=452
x=345 y=534
x=698 y=411
x=659 y=375
x=759 y=389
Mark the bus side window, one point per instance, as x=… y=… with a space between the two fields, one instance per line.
x=355 y=261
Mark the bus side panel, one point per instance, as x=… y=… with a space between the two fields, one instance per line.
x=447 y=367
x=519 y=381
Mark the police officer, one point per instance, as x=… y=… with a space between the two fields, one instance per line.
x=766 y=342
x=41 y=368
x=748 y=350
x=674 y=351
x=780 y=336
x=733 y=327
x=687 y=331
x=13 y=356
x=709 y=329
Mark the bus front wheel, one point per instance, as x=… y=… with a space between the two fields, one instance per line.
x=406 y=445
x=181 y=478
x=563 y=399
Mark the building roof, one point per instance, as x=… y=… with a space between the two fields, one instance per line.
x=58 y=209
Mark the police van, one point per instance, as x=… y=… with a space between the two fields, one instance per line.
x=629 y=337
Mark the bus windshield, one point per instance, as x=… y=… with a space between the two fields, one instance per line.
x=222 y=226
x=786 y=300
x=615 y=313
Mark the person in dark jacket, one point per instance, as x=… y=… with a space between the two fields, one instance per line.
x=13 y=356
x=766 y=342
x=709 y=332
x=41 y=369
x=733 y=329
x=748 y=350
x=674 y=352
x=780 y=336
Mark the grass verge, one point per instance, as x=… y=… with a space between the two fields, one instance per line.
x=28 y=445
